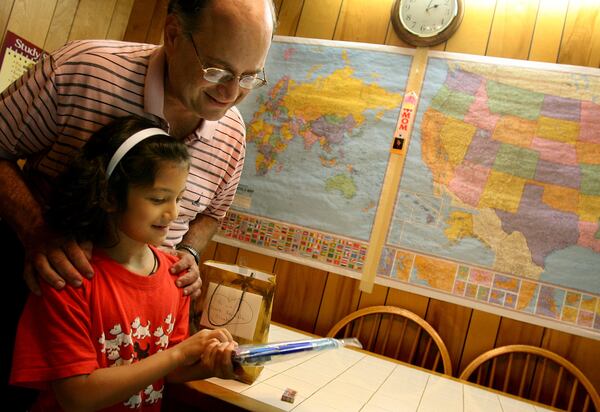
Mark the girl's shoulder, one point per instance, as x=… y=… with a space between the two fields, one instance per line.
x=164 y=255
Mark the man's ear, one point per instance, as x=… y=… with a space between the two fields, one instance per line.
x=173 y=30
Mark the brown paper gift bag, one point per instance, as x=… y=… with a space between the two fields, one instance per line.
x=239 y=299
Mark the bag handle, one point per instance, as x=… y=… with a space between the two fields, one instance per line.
x=244 y=287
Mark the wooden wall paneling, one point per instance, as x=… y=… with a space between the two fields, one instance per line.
x=512 y=29
x=363 y=21
x=548 y=31
x=31 y=19
x=451 y=322
x=209 y=251
x=5 y=10
x=340 y=297
x=481 y=337
x=277 y=4
x=583 y=352
x=413 y=302
x=60 y=26
x=298 y=295
x=140 y=20
x=581 y=37
x=119 y=20
x=289 y=16
x=255 y=260
x=377 y=297
x=473 y=33
x=392 y=39
x=226 y=254
x=156 y=30
x=417 y=304
x=512 y=331
x=319 y=19
x=92 y=19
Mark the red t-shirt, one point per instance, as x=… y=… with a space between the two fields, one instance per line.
x=115 y=318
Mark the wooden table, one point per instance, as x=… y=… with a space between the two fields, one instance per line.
x=352 y=380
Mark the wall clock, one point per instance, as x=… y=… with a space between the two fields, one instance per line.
x=426 y=22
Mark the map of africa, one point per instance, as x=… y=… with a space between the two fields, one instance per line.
x=318 y=135
x=503 y=171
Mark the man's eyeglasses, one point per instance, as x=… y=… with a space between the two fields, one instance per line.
x=222 y=76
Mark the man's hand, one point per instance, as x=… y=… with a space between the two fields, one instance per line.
x=189 y=271
x=56 y=260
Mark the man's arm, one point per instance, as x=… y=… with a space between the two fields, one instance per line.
x=201 y=231
x=28 y=123
x=45 y=253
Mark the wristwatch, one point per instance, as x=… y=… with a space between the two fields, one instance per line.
x=190 y=249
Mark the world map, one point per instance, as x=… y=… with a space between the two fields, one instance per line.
x=318 y=136
x=503 y=171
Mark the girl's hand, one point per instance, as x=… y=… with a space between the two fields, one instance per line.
x=216 y=360
x=195 y=347
x=206 y=354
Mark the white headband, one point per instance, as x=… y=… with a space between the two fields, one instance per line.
x=128 y=144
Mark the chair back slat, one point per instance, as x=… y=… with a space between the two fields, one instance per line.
x=508 y=373
x=479 y=376
x=436 y=361
x=492 y=374
x=572 y=395
x=373 y=331
x=413 y=340
x=348 y=330
x=586 y=404
x=425 y=354
x=358 y=332
x=523 y=375
x=557 y=386
x=386 y=334
x=540 y=377
x=400 y=338
x=543 y=376
x=413 y=347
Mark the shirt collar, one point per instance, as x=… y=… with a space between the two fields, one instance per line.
x=154 y=95
x=154 y=87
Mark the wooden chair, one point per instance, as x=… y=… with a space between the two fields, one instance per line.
x=536 y=374
x=396 y=333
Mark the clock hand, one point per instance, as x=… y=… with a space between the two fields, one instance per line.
x=432 y=7
x=428 y=6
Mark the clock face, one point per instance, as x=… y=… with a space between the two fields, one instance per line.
x=427 y=18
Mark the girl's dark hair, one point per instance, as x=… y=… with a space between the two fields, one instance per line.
x=83 y=195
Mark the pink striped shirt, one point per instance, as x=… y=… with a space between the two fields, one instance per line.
x=49 y=113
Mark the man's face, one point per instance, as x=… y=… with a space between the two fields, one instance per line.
x=239 y=47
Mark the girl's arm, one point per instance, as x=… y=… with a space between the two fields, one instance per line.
x=208 y=350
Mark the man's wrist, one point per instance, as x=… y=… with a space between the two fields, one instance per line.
x=191 y=250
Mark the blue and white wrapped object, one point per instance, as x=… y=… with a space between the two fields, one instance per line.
x=261 y=354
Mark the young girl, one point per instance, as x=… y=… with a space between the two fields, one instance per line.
x=113 y=342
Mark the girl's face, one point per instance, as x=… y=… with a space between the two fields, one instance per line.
x=151 y=209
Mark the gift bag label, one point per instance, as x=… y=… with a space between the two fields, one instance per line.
x=232 y=309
